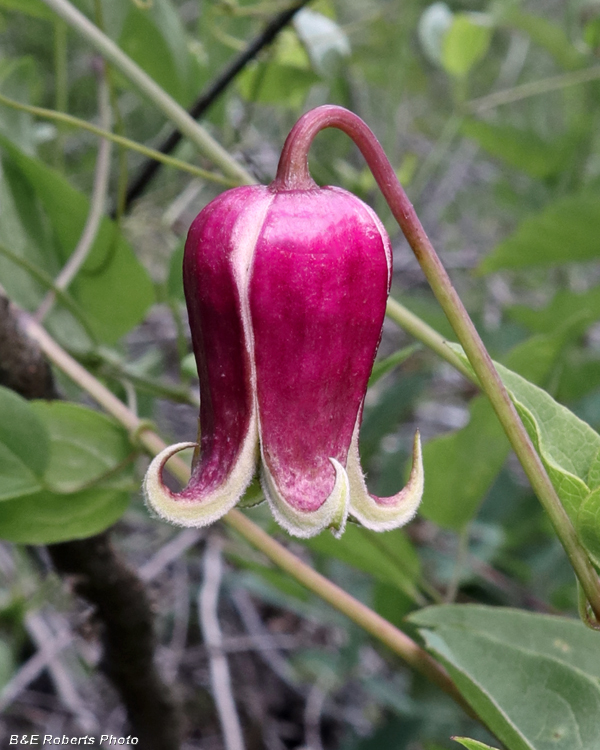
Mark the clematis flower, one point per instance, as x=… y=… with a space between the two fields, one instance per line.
x=286 y=292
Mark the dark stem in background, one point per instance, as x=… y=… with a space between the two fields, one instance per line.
x=211 y=94
x=101 y=575
x=103 y=578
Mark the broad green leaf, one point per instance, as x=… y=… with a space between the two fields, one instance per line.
x=154 y=37
x=85 y=447
x=389 y=557
x=275 y=83
x=383 y=417
x=35 y=8
x=534 y=679
x=18 y=77
x=46 y=518
x=591 y=33
x=383 y=366
x=567 y=445
x=566 y=231
x=522 y=149
x=473 y=744
x=465 y=43
x=462 y=466
x=579 y=375
x=113 y=288
x=392 y=603
x=24 y=446
x=545 y=33
x=24 y=233
x=565 y=305
x=588 y=524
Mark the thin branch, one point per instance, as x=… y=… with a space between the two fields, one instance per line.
x=533 y=88
x=263 y=640
x=44 y=278
x=211 y=631
x=97 y=203
x=103 y=578
x=76 y=122
x=212 y=93
x=41 y=634
x=313 y=711
x=171 y=551
x=33 y=667
x=147 y=86
x=420 y=330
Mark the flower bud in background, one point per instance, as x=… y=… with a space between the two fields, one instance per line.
x=286 y=292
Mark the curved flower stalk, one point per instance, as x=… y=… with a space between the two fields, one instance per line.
x=286 y=288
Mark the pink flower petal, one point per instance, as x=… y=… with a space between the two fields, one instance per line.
x=317 y=298
x=218 y=256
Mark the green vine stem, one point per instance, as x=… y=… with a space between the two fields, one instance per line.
x=533 y=88
x=293 y=173
x=142 y=81
x=416 y=327
x=143 y=433
x=97 y=205
x=76 y=122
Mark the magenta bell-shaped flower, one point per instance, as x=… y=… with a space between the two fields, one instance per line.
x=286 y=292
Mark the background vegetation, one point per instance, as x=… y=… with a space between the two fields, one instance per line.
x=490 y=114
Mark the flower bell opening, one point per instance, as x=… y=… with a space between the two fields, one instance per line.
x=286 y=289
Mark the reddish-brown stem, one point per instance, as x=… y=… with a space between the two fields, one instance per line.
x=293 y=174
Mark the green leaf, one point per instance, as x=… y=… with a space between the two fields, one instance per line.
x=464 y=44
x=588 y=524
x=46 y=518
x=154 y=37
x=473 y=744
x=534 y=679
x=522 y=149
x=24 y=231
x=545 y=33
x=566 y=231
x=564 y=306
x=276 y=83
x=567 y=445
x=383 y=417
x=579 y=375
x=34 y=8
x=461 y=467
x=389 y=557
x=386 y=365
x=113 y=288
x=86 y=447
x=18 y=77
x=24 y=446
